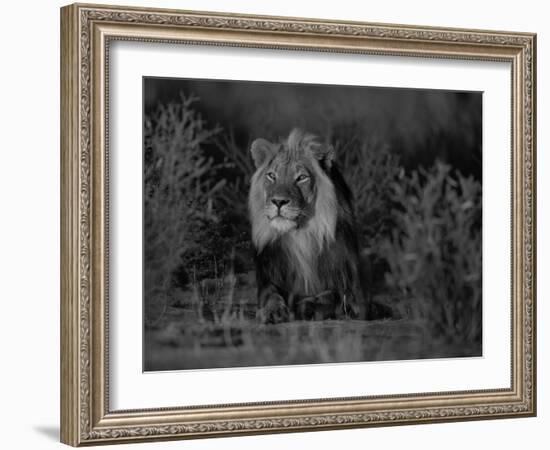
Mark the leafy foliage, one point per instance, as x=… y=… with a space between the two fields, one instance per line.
x=434 y=252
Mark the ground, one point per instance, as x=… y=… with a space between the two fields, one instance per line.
x=202 y=329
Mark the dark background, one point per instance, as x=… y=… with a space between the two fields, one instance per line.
x=419 y=125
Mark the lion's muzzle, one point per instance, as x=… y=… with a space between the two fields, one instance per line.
x=281 y=214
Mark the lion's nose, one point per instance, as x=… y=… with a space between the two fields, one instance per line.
x=280 y=202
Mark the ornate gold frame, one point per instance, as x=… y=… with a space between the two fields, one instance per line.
x=86 y=31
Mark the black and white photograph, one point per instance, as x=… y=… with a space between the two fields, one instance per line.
x=291 y=223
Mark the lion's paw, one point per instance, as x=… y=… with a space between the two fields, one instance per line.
x=274 y=310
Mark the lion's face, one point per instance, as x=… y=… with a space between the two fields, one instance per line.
x=289 y=186
x=291 y=189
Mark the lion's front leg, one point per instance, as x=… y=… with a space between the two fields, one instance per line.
x=272 y=307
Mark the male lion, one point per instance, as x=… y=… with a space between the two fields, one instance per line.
x=303 y=230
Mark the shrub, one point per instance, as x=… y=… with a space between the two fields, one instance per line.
x=177 y=193
x=211 y=241
x=239 y=168
x=369 y=168
x=434 y=252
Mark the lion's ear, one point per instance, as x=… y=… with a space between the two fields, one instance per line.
x=325 y=155
x=261 y=150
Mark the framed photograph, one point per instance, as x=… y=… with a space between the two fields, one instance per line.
x=276 y=224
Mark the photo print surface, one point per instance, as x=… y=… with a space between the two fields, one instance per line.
x=304 y=224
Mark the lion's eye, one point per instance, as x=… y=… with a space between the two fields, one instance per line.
x=302 y=178
x=271 y=176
